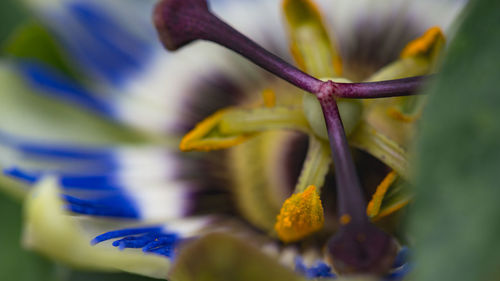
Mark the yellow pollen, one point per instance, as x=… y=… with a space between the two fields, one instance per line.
x=423 y=44
x=269 y=98
x=300 y=216
x=345 y=219
x=373 y=208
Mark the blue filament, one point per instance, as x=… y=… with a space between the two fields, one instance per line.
x=150 y=239
x=55 y=84
x=116 y=205
x=401 y=266
x=318 y=270
x=112 y=199
x=106 y=47
x=399 y=273
x=402 y=257
x=28 y=177
x=64 y=152
x=89 y=182
x=124 y=232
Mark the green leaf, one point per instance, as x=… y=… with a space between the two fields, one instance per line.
x=456 y=218
x=16 y=263
x=12 y=14
x=34 y=42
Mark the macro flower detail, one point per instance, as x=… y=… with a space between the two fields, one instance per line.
x=176 y=151
x=151 y=240
x=300 y=215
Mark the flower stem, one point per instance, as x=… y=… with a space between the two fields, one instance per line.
x=382 y=89
x=180 y=22
x=188 y=20
x=350 y=198
x=358 y=246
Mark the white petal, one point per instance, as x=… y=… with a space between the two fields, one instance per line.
x=51 y=231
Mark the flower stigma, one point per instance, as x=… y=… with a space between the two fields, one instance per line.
x=358 y=246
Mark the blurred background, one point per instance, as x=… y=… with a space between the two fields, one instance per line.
x=17 y=264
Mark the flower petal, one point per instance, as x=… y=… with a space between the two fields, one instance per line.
x=28 y=108
x=145 y=86
x=129 y=182
x=96 y=34
x=50 y=230
x=371 y=34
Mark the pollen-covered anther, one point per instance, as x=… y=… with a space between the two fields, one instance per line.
x=206 y=135
x=300 y=216
x=373 y=207
x=425 y=44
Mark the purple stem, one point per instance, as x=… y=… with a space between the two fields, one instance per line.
x=180 y=22
x=358 y=246
x=233 y=40
x=350 y=198
x=195 y=20
x=382 y=89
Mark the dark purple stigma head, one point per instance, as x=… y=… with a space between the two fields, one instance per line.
x=180 y=22
x=362 y=249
